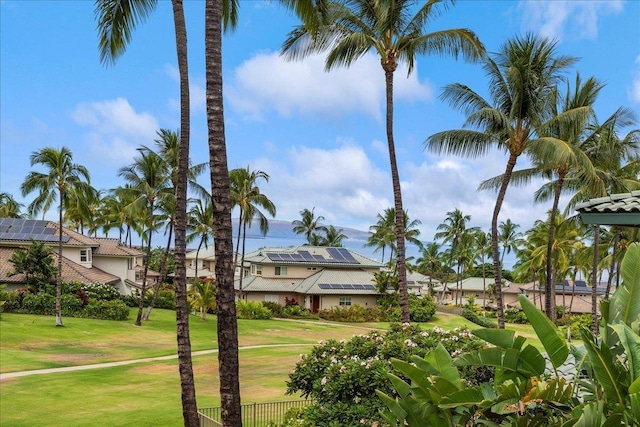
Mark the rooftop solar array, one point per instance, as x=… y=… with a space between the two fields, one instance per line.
x=25 y=229
x=337 y=256
x=346 y=286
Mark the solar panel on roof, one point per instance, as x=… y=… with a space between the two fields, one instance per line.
x=347 y=255
x=324 y=286
x=319 y=258
x=336 y=254
x=286 y=257
x=273 y=256
x=369 y=287
x=306 y=255
x=297 y=257
x=336 y=286
x=48 y=231
x=358 y=287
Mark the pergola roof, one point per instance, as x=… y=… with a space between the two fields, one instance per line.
x=616 y=209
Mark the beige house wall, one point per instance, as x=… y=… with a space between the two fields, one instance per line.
x=293 y=271
x=329 y=301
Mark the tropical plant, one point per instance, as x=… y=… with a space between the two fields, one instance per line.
x=395 y=31
x=246 y=195
x=523 y=76
x=62 y=178
x=202 y=296
x=200 y=226
x=333 y=237
x=36 y=263
x=309 y=225
x=9 y=207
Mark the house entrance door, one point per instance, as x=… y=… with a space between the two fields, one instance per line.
x=315 y=303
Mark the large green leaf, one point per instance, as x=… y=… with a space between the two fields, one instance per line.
x=469 y=396
x=504 y=338
x=440 y=359
x=604 y=369
x=554 y=344
x=631 y=343
x=625 y=303
x=532 y=361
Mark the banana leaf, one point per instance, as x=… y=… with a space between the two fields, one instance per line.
x=554 y=344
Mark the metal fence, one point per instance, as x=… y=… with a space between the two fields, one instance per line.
x=450 y=310
x=253 y=414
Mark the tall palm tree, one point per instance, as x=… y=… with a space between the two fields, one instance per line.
x=246 y=195
x=482 y=250
x=61 y=178
x=430 y=262
x=150 y=182
x=395 y=31
x=309 y=224
x=509 y=238
x=200 y=226
x=382 y=233
x=221 y=201
x=9 y=207
x=523 y=76
x=116 y=21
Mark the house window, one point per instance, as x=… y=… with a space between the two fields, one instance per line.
x=138 y=275
x=85 y=255
x=256 y=269
x=272 y=298
x=312 y=268
x=345 y=301
x=130 y=264
x=281 y=271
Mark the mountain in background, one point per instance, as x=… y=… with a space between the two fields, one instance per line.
x=279 y=229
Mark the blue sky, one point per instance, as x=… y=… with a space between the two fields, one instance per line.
x=320 y=136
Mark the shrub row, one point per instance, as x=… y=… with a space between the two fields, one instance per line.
x=472 y=316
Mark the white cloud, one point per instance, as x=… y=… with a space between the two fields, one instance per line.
x=559 y=19
x=116 y=130
x=269 y=82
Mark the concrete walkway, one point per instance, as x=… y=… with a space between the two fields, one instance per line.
x=131 y=362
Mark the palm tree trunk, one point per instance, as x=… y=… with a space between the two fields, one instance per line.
x=594 y=284
x=185 y=366
x=511 y=163
x=146 y=268
x=59 y=273
x=401 y=269
x=156 y=288
x=221 y=201
x=195 y=274
x=235 y=258
x=244 y=239
x=612 y=269
x=550 y=283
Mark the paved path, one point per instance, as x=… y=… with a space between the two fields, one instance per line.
x=130 y=362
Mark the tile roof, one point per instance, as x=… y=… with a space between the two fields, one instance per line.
x=71 y=272
x=623 y=202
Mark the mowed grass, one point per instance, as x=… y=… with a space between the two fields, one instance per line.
x=144 y=394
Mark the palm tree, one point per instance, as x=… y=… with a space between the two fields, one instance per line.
x=334 y=237
x=116 y=21
x=430 y=262
x=390 y=29
x=509 y=238
x=200 y=225
x=221 y=201
x=523 y=76
x=246 y=195
x=309 y=224
x=149 y=180
x=9 y=207
x=61 y=178
x=202 y=296
x=483 y=249
x=382 y=233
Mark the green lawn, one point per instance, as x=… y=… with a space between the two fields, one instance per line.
x=147 y=393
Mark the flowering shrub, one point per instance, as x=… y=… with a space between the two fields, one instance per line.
x=341 y=376
x=252 y=310
x=100 y=291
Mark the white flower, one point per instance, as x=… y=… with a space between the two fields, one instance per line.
x=406 y=325
x=323 y=381
x=410 y=343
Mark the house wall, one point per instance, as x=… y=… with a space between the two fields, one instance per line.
x=293 y=271
x=329 y=301
x=115 y=266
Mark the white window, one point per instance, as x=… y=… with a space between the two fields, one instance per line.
x=272 y=298
x=256 y=269
x=85 y=255
x=130 y=263
x=345 y=301
x=281 y=271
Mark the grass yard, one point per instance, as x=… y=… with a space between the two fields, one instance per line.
x=148 y=393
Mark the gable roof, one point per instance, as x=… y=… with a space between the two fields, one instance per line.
x=616 y=209
x=311 y=255
x=71 y=272
x=18 y=232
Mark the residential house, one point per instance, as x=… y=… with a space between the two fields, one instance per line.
x=478 y=288
x=315 y=277
x=84 y=259
x=576 y=297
